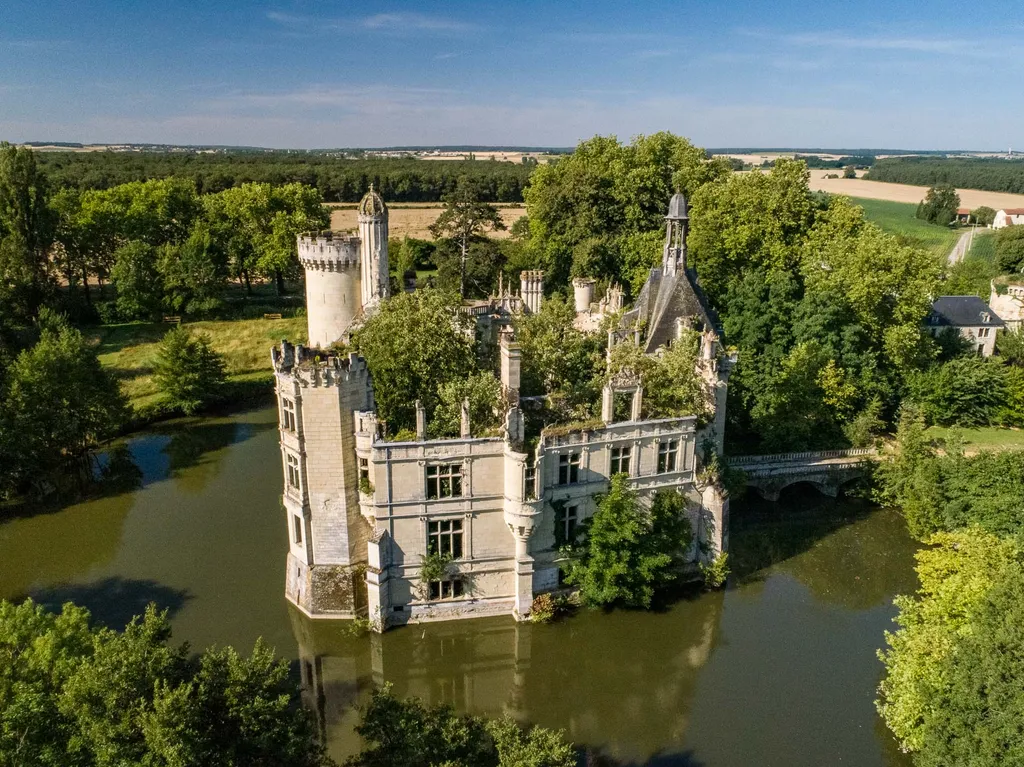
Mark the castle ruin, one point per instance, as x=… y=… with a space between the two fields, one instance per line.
x=365 y=512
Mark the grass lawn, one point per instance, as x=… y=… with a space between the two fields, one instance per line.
x=984 y=437
x=900 y=218
x=129 y=351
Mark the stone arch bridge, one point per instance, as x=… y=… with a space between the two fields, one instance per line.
x=827 y=470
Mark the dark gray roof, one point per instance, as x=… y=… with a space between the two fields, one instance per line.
x=677 y=206
x=963 y=311
x=665 y=298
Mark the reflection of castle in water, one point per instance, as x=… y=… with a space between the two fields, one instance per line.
x=620 y=682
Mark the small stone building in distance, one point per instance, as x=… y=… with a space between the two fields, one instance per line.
x=363 y=512
x=971 y=317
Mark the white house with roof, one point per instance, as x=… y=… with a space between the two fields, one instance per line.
x=968 y=315
x=1008 y=217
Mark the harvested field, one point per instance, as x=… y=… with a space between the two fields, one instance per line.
x=412 y=219
x=881 y=190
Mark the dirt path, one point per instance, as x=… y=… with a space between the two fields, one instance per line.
x=962 y=246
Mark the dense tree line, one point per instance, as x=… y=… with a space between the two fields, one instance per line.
x=990 y=173
x=337 y=180
x=953 y=691
x=73 y=693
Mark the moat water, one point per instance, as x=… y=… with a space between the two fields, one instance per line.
x=780 y=668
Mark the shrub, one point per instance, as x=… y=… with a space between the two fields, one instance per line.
x=716 y=572
x=188 y=371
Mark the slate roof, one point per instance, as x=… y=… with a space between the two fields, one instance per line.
x=963 y=311
x=664 y=299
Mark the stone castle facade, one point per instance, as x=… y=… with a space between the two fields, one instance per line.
x=364 y=513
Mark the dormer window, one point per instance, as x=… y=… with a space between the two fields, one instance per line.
x=986 y=317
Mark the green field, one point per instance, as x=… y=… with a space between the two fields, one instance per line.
x=129 y=351
x=986 y=437
x=899 y=218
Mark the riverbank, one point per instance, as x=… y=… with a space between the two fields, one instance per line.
x=129 y=352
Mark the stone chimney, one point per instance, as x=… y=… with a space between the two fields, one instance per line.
x=511 y=365
x=531 y=289
x=421 y=421
x=464 y=430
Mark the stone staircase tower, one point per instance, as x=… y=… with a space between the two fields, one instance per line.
x=373 y=235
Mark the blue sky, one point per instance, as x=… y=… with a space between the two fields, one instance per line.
x=320 y=73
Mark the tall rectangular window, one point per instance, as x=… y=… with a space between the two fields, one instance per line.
x=364 y=469
x=288 y=414
x=444 y=481
x=566 y=518
x=568 y=468
x=293 y=470
x=530 y=483
x=667 y=456
x=445 y=537
x=620 y=460
x=297 y=528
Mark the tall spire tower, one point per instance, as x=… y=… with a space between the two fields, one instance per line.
x=373 y=234
x=677 y=224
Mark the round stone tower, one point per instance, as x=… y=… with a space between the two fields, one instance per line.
x=373 y=232
x=332 y=267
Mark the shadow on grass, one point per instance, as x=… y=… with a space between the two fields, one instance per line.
x=113 y=601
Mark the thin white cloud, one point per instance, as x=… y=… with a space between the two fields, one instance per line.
x=939 y=46
x=409 y=22
x=393 y=23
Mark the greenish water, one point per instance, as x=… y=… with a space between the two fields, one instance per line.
x=780 y=668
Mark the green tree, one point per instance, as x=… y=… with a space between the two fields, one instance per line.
x=1010 y=346
x=482 y=390
x=939 y=205
x=413 y=345
x=256 y=225
x=559 y=359
x=464 y=219
x=849 y=172
x=193 y=273
x=628 y=551
x=26 y=232
x=610 y=191
x=749 y=221
x=56 y=402
x=76 y=694
x=975 y=716
x=188 y=372
x=957 y=571
x=135 y=275
x=983 y=215
x=965 y=391
x=1010 y=249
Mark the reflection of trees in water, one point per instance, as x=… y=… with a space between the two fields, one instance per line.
x=193 y=447
x=846 y=552
x=622 y=682
x=114 y=601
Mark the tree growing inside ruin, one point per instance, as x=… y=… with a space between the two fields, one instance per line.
x=463 y=219
x=628 y=550
x=415 y=344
